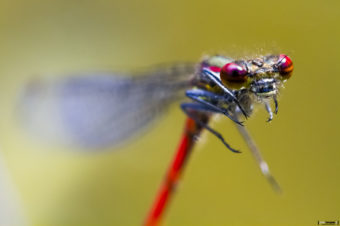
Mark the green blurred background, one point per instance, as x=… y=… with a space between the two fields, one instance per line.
x=62 y=187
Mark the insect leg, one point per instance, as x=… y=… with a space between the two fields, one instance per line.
x=206 y=98
x=276 y=105
x=218 y=82
x=189 y=107
x=269 y=110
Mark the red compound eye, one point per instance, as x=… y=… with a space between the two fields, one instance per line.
x=285 y=66
x=234 y=74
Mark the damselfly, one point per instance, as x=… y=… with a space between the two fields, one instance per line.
x=98 y=110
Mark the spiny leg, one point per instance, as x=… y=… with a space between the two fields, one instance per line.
x=218 y=82
x=188 y=107
x=209 y=98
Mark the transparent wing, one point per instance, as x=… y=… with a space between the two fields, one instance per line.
x=98 y=110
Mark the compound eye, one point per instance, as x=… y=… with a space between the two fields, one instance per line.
x=285 y=66
x=234 y=74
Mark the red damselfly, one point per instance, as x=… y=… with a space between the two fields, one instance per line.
x=104 y=109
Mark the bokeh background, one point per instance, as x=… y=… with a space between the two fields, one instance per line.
x=54 y=186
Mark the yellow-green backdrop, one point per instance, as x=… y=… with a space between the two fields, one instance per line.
x=63 y=187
